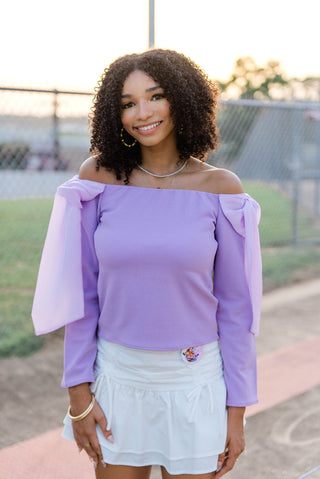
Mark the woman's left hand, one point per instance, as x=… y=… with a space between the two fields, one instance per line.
x=235 y=443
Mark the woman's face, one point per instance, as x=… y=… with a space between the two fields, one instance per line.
x=145 y=112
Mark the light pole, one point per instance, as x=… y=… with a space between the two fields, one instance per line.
x=151 y=23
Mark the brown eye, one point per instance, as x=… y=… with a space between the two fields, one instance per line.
x=157 y=96
x=125 y=106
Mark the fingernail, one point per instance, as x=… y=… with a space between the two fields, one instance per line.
x=219 y=466
x=79 y=449
x=95 y=465
x=110 y=439
x=103 y=464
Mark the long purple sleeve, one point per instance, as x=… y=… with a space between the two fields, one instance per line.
x=238 y=288
x=80 y=336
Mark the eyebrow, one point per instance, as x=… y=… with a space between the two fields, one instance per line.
x=128 y=95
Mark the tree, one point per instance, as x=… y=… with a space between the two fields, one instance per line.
x=306 y=89
x=250 y=81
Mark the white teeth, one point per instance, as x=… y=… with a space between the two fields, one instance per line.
x=145 y=128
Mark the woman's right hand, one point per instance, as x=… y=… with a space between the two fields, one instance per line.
x=85 y=430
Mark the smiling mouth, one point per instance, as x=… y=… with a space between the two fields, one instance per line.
x=148 y=127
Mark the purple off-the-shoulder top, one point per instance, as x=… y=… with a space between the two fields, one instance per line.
x=134 y=266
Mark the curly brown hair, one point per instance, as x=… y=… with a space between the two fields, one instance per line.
x=192 y=97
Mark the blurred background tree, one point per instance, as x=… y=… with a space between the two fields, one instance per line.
x=269 y=82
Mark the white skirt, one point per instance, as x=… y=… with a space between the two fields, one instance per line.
x=161 y=408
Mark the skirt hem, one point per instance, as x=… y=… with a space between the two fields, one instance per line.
x=153 y=458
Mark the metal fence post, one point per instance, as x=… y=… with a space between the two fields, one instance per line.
x=151 y=23
x=316 y=198
x=295 y=135
x=55 y=132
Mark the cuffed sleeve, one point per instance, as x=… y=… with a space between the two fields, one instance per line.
x=238 y=288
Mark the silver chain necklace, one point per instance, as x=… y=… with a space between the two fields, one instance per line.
x=164 y=176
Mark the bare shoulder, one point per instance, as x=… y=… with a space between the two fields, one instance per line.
x=221 y=181
x=88 y=171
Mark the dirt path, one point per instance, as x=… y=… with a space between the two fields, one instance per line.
x=31 y=399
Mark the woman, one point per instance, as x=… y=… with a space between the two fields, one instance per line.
x=159 y=359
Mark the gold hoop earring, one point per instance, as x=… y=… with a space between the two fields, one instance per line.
x=126 y=144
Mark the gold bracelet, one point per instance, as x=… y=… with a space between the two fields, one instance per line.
x=85 y=413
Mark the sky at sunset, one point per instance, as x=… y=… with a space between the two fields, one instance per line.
x=67 y=44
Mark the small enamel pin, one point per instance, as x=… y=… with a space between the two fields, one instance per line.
x=192 y=354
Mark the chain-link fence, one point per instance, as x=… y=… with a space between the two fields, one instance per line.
x=44 y=137
x=275 y=149
x=43 y=130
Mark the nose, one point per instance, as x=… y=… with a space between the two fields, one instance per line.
x=144 y=110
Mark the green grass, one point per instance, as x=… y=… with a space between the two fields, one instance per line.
x=22 y=233
x=276 y=217
x=17 y=337
x=289 y=264
x=282 y=262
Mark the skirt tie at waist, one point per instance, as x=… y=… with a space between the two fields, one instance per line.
x=195 y=395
